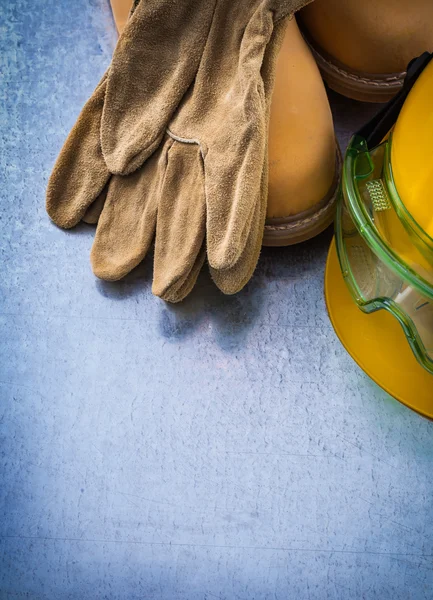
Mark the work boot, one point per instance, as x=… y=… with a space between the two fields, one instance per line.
x=303 y=157
x=363 y=47
x=304 y=161
x=121 y=10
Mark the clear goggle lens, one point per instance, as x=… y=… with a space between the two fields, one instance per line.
x=384 y=267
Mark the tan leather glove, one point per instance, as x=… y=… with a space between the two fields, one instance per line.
x=208 y=178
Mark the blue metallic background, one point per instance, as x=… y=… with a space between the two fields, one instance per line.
x=226 y=448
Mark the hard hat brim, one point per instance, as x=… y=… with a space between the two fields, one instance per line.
x=377 y=344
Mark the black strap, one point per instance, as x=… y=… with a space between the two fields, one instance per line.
x=376 y=129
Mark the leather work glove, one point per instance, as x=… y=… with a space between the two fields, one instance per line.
x=207 y=180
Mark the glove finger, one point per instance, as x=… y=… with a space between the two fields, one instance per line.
x=231 y=281
x=95 y=209
x=127 y=223
x=181 y=221
x=180 y=291
x=154 y=64
x=80 y=173
x=234 y=164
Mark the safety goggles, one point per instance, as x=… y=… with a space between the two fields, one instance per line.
x=385 y=257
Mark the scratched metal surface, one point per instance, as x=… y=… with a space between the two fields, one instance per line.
x=225 y=448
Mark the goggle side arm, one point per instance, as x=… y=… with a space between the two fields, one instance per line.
x=377 y=128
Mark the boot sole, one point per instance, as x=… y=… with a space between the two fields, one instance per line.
x=357 y=85
x=287 y=231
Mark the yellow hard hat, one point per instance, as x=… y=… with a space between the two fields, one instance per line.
x=383 y=248
x=412 y=155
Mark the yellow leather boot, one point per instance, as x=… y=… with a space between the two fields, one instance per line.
x=363 y=47
x=121 y=9
x=303 y=157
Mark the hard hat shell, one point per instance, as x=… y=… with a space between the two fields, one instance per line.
x=412 y=153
